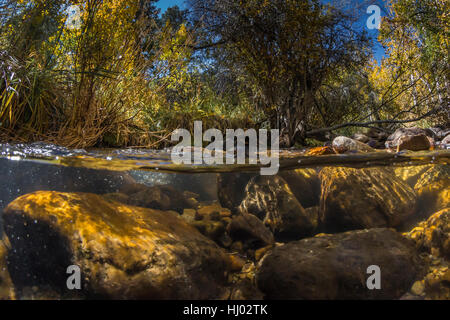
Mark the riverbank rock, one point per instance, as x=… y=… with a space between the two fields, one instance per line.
x=446 y=140
x=6 y=285
x=123 y=252
x=363 y=198
x=335 y=266
x=304 y=184
x=433 y=235
x=361 y=137
x=271 y=200
x=343 y=144
x=414 y=139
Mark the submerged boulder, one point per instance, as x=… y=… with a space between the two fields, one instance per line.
x=6 y=285
x=248 y=229
x=335 y=266
x=123 y=252
x=433 y=235
x=231 y=188
x=271 y=200
x=304 y=184
x=433 y=190
x=161 y=197
x=343 y=144
x=363 y=198
x=411 y=174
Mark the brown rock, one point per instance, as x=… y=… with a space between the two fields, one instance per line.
x=304 y=184
x=271 y=200
x=363 y=198
x=414 y=143
x=163 y=197
x=248 y=229
x=6 y=285
x=124 y=252
x=413 y=139
x=335 y=266
x=433 y=235
x=231 y=189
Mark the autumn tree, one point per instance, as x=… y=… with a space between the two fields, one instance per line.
x=412 y=82
x=284 y=50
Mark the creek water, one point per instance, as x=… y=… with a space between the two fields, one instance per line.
x=396 y=186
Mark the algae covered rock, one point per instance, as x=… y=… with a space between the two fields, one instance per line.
x=433 y=189
x=271 y=200
x=335 y=266
x=433 y=235
x=123 y=252
x=411 y=174
x=6 y=285
x=363 y=198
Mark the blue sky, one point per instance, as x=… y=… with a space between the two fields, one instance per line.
x=164 y=4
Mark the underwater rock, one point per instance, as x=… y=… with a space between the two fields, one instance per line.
x=335 y=266
x=413 y=139
x=123 y=252
x=363 y=198
x=433 y=174
x=433 y=235
x=242 y=285
x=248 y=229
x=213 y=211
x=211 y=220
x=432 y=185
x=304 y=184
x=343 y=144
x=411 y=174
x=6 y=285
x=271 y=200
x=231 y=188
x=162 y=197
x=433 y=190
x=435 y=285
x=434 y=197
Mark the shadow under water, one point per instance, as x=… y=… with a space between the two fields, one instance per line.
x=139 y=226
